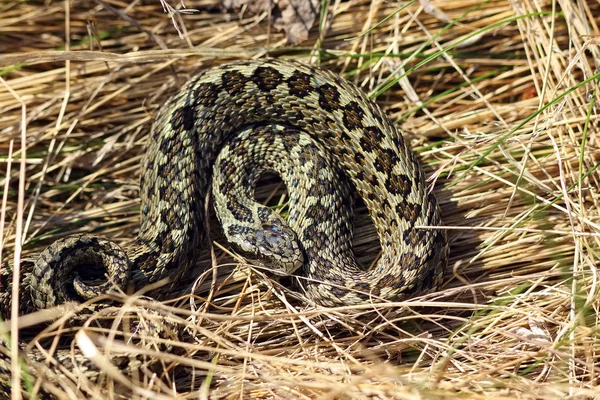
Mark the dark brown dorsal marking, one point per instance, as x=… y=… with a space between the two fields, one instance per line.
x=234 y=82
x=398 y=184
x=329 y=97
x=299 y=84
x=353 y=115
x=206 y=94
x=168 y=218
x=368 y=141
x=183 y=118
x=408 y=211
x=239 y=211
x=384 y=162
x=266 y=78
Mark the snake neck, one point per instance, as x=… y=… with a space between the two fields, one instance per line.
x=320 y=197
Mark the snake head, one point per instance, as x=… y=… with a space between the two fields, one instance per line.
x=273 y=245
x=278 y=249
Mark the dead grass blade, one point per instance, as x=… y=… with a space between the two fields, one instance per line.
x=498 y=99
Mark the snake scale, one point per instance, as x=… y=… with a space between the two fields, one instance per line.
x=185 y=140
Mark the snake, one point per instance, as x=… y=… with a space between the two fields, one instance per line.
x=320 y=203
x=284 y=98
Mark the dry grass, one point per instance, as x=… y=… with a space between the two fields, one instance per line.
x=498 y=98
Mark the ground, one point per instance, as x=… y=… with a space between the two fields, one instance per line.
x=499 y=101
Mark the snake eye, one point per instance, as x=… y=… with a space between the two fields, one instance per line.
x=272 y=236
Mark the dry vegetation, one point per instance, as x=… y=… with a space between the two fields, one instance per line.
x=498 y=98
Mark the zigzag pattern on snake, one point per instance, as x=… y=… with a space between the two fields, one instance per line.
x=185 y=141
x=186 y=138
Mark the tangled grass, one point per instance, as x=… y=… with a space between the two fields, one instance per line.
x=498 y=99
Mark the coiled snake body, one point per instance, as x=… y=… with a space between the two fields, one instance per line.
x=186 y=138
